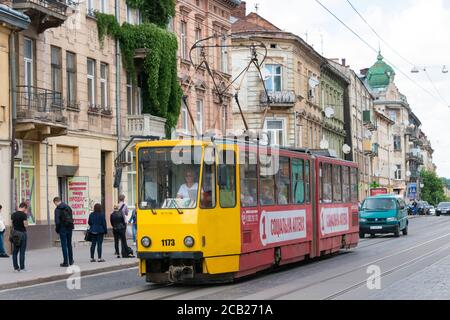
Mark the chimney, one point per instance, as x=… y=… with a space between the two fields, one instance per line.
x=343 y=62
x=240 y=11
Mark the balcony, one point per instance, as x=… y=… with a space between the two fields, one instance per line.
x=40 y=113
x=44 y=14
x=145 y=125
x=368 y=120
x=370 y=149
x=415 y=174
x=284 y=99
x=413 y=134
x=415 y=157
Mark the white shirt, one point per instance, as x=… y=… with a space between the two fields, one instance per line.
x=183 y=192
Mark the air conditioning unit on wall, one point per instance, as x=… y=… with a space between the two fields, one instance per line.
x=126 y=158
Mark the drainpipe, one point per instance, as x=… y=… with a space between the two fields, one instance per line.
x=12 y=63
x=118 y=109
x=50 y=236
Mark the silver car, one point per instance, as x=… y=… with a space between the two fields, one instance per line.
x=443 y=208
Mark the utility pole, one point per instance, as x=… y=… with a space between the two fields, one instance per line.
x=118 y=112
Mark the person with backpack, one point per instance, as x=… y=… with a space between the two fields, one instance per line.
x=123 y=208
x=3 y=253
x=18 y=236
x=119 y=226
x=133 y=222
x=64 y=226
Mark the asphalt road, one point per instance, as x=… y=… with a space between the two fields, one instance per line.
x=410 y=267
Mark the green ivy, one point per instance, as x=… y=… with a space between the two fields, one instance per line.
x=161 y=90
x=154 y=11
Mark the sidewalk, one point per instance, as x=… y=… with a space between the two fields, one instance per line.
x=44 y=265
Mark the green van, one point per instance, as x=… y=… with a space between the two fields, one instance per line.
x=383 y=214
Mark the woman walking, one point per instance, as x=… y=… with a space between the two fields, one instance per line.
x=98 y=229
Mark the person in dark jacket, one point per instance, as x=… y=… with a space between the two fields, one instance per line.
x=19 y=240
x=119 y=226
x=64 y=226
x=98 y=229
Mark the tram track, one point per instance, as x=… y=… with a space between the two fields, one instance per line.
x=428 y=247
x=363 y=268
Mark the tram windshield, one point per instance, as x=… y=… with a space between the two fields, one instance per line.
x=169 y=177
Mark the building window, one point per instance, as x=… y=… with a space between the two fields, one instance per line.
x=170 y=24
x=104 y=86
x=398 y=172
x=224 y=55
x=397 y=143
x=200 y=116
x=198 y=37
x=90 y=7
x=393 y=115
x=184 y=118
x=273 y=83
x=104 y=6
x=71 y=75
x=275 y=132
x=134 y=97
x=25 y=181
x=56 y=71
x=183 y=41
x=91 y=82
x=224 y=118
x=28 y=64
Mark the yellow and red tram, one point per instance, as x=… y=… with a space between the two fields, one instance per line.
x=214 y=211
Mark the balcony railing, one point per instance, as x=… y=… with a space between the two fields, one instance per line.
x=46 y=13
x=285 y=98
x=38 y=101
x=368 y=120
x=413 y=134
x=414 y=156
x=145 y=124
x=370 y=149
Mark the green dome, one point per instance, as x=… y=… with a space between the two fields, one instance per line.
x=380 y=74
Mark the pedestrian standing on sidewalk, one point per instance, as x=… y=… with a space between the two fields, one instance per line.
x=18 y=236
x=133 y=222
x=2 y=232
x=119 y=226
x=123 y=208
x=98 y=229
x=64 y=226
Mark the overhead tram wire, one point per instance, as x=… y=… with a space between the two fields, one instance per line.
x=395 y=51
x=434 y=86
x=376 y=33
x=376 y=51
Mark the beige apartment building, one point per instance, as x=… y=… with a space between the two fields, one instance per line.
x=11 y=21
x=292 y=77
x=406 y=157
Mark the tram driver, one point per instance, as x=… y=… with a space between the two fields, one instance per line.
x=188 y=190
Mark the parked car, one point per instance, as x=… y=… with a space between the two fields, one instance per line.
x=423 y=207
x=383 y=214
x=432 y=210
x=443 y=208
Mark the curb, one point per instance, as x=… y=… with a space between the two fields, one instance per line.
x=41 y=280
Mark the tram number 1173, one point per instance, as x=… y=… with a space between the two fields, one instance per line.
x=168 y=242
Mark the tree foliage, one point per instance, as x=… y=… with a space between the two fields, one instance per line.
x=161 y=90
x=433 y=189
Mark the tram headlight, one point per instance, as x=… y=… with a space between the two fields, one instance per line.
x=146 y=242
x=189 y=241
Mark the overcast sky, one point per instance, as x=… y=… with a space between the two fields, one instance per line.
x=419 y=30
